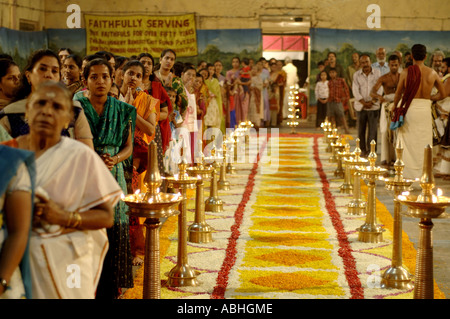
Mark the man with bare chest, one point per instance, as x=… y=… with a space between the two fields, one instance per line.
x=412 y=114
x=389 y=82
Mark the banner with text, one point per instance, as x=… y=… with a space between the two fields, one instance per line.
x=131 y=35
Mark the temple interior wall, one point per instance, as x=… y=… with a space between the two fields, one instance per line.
x=411 y=15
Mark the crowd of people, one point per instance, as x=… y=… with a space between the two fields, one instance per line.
x=405 y=100
x=74 y=136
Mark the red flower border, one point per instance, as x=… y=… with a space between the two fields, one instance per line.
x=345 y=251
x=230 y=252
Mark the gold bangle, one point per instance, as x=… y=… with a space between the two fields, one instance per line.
x=77 y=220
x=69 y=221
x=118 y=159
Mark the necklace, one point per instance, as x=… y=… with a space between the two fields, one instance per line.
x=163 y=80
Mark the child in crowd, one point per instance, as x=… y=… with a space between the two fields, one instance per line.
x=321 y=67
x=322 y=92
x=175 y=117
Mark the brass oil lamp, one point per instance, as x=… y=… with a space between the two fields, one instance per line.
x=153 y=206
x=425 y=206
x=182 y=274
x=200 y=231
x=370 y=232
x=397 y=276
x=356 y=206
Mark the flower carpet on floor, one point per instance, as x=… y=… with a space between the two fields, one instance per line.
x=284 y=234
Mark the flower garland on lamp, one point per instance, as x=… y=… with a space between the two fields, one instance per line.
x=294 y=115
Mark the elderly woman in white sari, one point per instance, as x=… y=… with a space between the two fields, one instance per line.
x=75 y=196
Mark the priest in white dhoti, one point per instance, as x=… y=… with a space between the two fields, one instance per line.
x=415 y=134
x=412 y=115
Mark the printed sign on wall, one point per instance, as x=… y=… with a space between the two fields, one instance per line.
x=131 y=35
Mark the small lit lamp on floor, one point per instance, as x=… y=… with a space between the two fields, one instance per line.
x=293 y=103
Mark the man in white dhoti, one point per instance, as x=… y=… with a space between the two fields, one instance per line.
x=291 y=81
x=412 y=117
x=389 y=83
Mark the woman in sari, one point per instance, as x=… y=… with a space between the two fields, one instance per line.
x=153 y=86
x=71 y=73
x=43 y=66
x=215 y=96
x=73 y=205
x=218 y=68
x=202 y=98
x=17 y=180
x=274 y=93
x=118 y=74
x=167 y=78
x=237 y=105
x=112 y=123
x=265 y=75
x=9 y=81
x=256 y=114
x=147 y=108
x=190 y=115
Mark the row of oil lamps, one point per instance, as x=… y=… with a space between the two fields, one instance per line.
x=154 y=205
x=425 y=206
x=293 y=116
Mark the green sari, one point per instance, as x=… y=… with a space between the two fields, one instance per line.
x=110 y=131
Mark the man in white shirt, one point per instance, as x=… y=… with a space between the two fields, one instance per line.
x=367 y=109
x=381 y=64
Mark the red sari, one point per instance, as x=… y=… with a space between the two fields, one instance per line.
x=158 y=92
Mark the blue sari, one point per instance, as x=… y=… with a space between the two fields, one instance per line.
x=10 y=161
